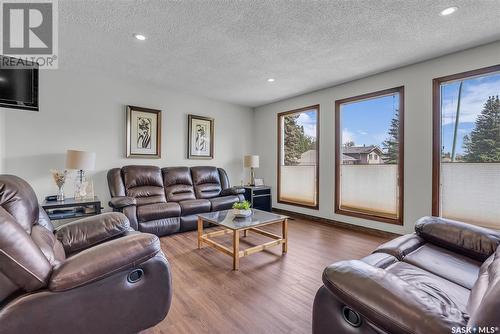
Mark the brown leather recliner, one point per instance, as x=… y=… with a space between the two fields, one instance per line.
x=445 y=278
x=165 y=201
x=93 y=275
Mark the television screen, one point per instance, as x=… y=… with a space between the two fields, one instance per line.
x=19 y=86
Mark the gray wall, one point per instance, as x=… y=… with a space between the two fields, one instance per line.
x=86 y=111
x=2 y=141
x=417 y=80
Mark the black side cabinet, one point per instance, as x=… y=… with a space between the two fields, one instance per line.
x=259 y=197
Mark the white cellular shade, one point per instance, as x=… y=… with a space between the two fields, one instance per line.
x=470 y=192
x=370 y=188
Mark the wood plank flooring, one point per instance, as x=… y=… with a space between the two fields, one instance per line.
x=270 y=293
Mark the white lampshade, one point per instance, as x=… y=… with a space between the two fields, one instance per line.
x=251 y=161
x=80 y=160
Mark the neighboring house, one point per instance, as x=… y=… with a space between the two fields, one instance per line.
x=354 y=155
x=308 y=158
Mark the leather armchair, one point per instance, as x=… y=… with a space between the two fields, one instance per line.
x=94 y=275
x=444 y=277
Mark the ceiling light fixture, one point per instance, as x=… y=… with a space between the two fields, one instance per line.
x=270 y=80
x=448 y=11
x=140 y=37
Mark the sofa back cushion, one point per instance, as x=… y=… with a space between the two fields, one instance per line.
x=484 y=299
x=206 y=181
x=178 y=184
x=21 y=260
x=144 y=183
x=19 y=200
x=473 y=241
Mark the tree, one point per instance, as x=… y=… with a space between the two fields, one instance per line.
x=349 y=144
x=483 y=144
x=295 y=140
x=391 y=144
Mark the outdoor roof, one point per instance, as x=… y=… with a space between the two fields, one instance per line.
x=360 y=149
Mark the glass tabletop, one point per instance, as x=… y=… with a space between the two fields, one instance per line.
x=227 y=219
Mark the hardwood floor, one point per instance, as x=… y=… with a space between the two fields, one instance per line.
x=270 y=293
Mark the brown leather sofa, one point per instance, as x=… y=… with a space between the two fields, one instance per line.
x=93 y=275
x=445 y=278
x=165 y=201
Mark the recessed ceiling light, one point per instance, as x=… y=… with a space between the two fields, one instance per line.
x=448 y=11
x=270 y=80
x=140 y=37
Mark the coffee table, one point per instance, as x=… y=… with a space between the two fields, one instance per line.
x=233 y=225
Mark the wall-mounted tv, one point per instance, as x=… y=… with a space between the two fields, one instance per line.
x=18 y=84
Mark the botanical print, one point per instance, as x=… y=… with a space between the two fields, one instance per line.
x=200 y=137
x=144 y=132
x=201 y=141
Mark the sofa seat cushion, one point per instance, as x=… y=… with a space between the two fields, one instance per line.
x=451 y=296
x=158 y=211
x=194 y=206
x=161 y=227
x=223 y=203
x=449 y=265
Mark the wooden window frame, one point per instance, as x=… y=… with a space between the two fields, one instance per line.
x=338 y=142
x=295 y=111
x=436 y=128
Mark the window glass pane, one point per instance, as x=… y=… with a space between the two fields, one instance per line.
x=470 y=150
x=369 y=156
x=298 y=157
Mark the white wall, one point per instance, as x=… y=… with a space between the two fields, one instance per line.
x=2 y=141
x=86 y=111
x=417 y=80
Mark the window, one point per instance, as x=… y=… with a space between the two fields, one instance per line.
x=466 y=157
x=368 y=127
x=298 y=157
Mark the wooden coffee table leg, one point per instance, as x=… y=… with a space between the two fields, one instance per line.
x=236 y=250
x=245 y=233
x=284 y=227
x=200 y=232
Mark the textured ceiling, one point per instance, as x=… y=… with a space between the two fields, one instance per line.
x=227 y=49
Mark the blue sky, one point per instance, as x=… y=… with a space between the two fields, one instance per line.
x=308 y=120
x=474 y=93
x=367 y=122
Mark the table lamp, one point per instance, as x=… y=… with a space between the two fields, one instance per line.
x=252 y=161
x=80 y=161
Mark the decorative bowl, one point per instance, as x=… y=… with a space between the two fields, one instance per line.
x=242 y=213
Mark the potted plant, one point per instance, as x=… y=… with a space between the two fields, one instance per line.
x=242 y=209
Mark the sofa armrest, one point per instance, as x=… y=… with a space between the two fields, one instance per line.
x=473 y=241
x=87 y=232
x=387 y=301
x=104 y=260
x=401 y=246
x=121 y=202
x=232 y=191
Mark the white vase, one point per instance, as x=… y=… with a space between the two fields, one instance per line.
x=242 y=213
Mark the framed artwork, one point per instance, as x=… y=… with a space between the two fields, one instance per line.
x=200 y=137
x=259 y=182
x=143 y=132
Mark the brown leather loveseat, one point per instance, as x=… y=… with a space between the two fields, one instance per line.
x=445 y=278
x=165 y=201
x=93 y=275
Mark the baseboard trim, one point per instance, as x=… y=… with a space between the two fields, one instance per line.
x=336 y=223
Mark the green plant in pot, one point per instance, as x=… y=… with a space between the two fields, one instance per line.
x=242 y=209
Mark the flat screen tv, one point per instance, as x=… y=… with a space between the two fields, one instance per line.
x=18 y=84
